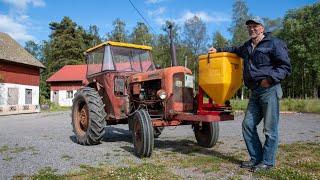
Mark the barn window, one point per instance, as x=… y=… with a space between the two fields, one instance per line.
x=13 y=96
x=28 y=96
x=69 y=94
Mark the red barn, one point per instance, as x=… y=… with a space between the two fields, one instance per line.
x=19 y=78
x=65 y=82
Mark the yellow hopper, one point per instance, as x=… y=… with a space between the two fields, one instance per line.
x=220 y=75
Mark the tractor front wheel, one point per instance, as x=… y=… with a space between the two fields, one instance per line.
x=207 y=133
x=88 y=116
x=142 y=134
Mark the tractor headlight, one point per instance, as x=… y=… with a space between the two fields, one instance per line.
x=162 y=94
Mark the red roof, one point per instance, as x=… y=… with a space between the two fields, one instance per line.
x=70 y=73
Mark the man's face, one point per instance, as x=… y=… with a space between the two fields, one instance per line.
x=255 y=30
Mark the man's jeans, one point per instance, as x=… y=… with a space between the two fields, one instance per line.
x=263 y=104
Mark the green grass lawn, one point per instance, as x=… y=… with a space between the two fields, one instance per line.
x=294 y=161
x=56 y=108
x=296 y=105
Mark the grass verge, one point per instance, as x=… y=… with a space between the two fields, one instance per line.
x=294 y=161
x=55 y=108
x=297 y=105
x=297 y=161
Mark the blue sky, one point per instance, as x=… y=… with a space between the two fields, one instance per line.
x=29 y=19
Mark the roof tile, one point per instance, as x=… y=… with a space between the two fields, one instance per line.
x=70 y=73
x=10 y=50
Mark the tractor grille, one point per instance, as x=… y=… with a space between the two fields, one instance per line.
x=181 y=93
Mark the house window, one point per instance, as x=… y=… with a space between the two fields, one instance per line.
x=13 y=96
x=69 y=94
x=28 y=96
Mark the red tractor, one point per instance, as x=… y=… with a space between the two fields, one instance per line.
x=125 y=88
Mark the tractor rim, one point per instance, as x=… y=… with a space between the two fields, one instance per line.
x=138 y=134
x=82 y=119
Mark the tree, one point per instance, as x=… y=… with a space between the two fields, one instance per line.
x=218 y=40
x=195 y=35
x=238 y=27
x=91 y=36
x=195 y=38
x=67 y=44
x=119 y=32
x=46 y=59
x=162 y=52
x=141 y=35
x=33 y=48
x=39 y=51
x=302 y=34
x=273 y=25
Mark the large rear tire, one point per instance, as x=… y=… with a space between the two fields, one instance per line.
x=88 y=116
x=143 y=140
x=206 y=134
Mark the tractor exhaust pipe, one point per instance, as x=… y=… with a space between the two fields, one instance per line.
x=172 y=47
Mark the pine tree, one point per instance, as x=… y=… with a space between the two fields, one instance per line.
x=33 y=48
x=67 y=44
x=218 y=40
x=91 y=36
x=238 y=27
x=119 y=32
x=141 y=35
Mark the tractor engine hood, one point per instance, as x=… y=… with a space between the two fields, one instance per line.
x=158 y=74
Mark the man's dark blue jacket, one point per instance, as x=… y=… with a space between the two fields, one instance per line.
x=268 y=60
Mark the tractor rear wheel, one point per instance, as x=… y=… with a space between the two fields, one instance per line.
x=88 y=116
x=206 y=134
x=142 y=134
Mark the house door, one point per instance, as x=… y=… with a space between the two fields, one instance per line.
x=13 y=96
x=56 y=97
x=28 y=96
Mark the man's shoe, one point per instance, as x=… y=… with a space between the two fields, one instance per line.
x=261 y=167
x=248 y=164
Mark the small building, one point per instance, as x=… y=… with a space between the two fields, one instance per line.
x=65 y=83
x=19 y=78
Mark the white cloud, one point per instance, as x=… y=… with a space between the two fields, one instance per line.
x=17 y=23
x=160 y=20
x=23 y=4
x=153 y=1
x=15 y=29
x=157 y=12
x=23 y=18
x=214 y=17
x=205 y=17
x=202 y=15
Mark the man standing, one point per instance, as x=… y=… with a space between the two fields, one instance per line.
x=266 y=64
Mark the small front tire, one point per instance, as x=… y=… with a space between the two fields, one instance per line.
x=143 y=139
x=207 y=133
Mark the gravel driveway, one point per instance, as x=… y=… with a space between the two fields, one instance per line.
x=33 y=141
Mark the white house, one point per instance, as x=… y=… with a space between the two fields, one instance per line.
x=19 y=78
x=65 y=83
